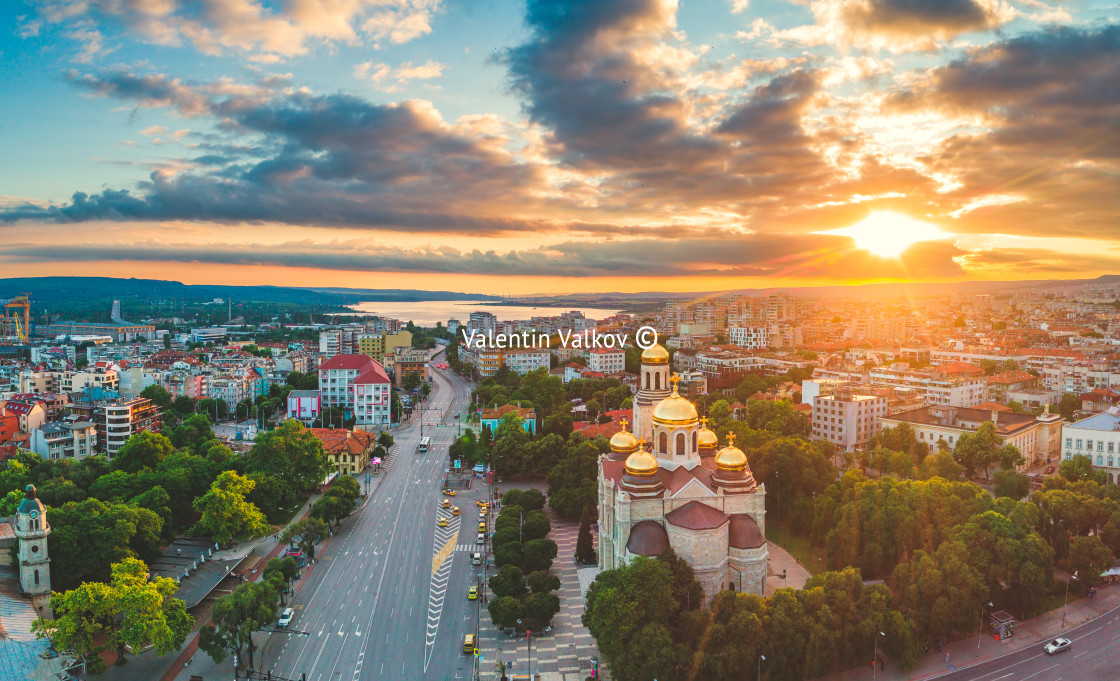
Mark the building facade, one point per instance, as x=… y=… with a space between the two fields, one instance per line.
x=848 y=419
x=1097 y=437
x=606 y=360
x=68 y=439
x=1038 y=438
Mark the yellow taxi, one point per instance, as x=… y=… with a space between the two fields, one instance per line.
x=482 y=527
x=443 y=522
x=472 y=593
x=482 y=504
x=449 y=492
x=468 y=643
x=455 y=511
x=447 y=503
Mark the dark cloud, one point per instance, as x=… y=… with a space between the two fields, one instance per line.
x=917 y=17
x=810 y=256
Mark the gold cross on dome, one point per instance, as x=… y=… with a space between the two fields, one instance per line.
x=703 y=421
x=623 y=422
x=731 y=439
x=675 y=378
x=642 y=442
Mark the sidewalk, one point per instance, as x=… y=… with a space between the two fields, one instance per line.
x=1032 y=632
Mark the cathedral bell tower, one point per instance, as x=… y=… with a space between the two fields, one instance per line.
x=32 y=530
x=653 y=386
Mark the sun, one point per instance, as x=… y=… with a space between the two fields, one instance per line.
x=888 y=234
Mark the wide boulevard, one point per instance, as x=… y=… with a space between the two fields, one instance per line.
x=388 y=596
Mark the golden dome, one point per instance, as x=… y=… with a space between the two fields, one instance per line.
x=707 y=439
x=675 y=410
x=641 y=463
x=623 y=442
x=731 y=458
x=655 y=355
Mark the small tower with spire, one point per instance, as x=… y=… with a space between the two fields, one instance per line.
x=32 y=530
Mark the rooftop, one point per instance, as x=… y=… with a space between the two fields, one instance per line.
x=1106 y=420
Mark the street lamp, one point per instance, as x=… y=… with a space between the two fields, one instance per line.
x=761 y=659
x=981 y=634
x=875 y=655
x=529 y=641
x=1065 y=605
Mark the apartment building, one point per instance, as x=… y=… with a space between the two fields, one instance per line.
x=371 y=345
x=957 y=385
x=750 y=337
x=71 y=438
x=1037 y=437
x=356 y=384
x=304 y=405
x=524 y=361
x=407 y=361
x=606 y=360
x=341 y=341
x=1002 y=384
x=117 y=420
x=208 y=334
x=1097 y=437
x=848 y=419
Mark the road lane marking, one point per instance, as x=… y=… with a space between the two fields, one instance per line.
x=1039 y=672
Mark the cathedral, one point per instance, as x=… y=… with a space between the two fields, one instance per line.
x=667 y=483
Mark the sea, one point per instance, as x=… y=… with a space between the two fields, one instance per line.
x=427 y=313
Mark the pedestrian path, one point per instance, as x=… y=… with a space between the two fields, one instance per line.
x=565 y=650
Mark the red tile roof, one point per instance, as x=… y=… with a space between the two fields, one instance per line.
x=341 y=441
x=346 y=362
x=993 y=406
x=1007 y=377
x=372 y=374
x=696 y=516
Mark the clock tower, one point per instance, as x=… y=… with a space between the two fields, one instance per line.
x=32 y=530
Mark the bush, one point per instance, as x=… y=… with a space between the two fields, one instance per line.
x=509 y=518
x=543 y=582
x=510 y=554
x=530 y=499
x=505 y=536
x=509 y=581
x=505 y=611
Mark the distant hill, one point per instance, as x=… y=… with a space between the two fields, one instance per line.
x=50 y=291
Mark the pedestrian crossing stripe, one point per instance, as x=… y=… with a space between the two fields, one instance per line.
x=473 y=548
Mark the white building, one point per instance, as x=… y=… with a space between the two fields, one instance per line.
x=343 y=341
x=356 y=384
x=524 y=361
x=304 y=405
x=938 y=387
x=1097 y=437
x=607 y=360
x=753 y=337
x=848 y=420
x=67 y=439
x=208 y=334
x=1036 y=437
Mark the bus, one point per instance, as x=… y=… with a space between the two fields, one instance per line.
x=424 y=441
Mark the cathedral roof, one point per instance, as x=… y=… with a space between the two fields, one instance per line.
x=647 y=538
x=30 y=503
x=696 y=516
x=655 y=355
x=744 y=533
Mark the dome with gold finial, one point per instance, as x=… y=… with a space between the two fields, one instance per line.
x=655 y=355
x=624 y=442
x=706 y=438
x=731 y=458
x=641 y=462
x=675 y=410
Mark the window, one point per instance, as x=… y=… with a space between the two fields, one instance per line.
x=1069 y=442
x=663 y=443
x=1100 y=460
x=1079 y=444
x=680 y=444
x=1110 y=444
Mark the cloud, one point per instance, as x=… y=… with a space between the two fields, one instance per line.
x=392 y=79
x=810 y=257
x=264 y=32
x=893 y=25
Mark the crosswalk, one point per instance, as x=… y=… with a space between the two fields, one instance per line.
x=469 y=548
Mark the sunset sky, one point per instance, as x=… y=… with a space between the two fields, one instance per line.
x=546 y=147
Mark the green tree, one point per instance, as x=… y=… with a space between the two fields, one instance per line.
x=941 y=591
x=508 y=453
x=158 y=395
x=250 y=608
x=88 y=537
x=1009 y=483
x=1089 y=558
x=142 y=450
x=332 y=509
x=305 y=534
x=226 y=515
x=505 y=611
x=572 y=482
x=385 y=440
x=543 y=582
x=290 y=453
x=536 y=525
x=411 y=381
x=539 y=609
x=270 y=495
x=1070 y=403
x=509 y=581
x=940 y=464
x=1080 y=467
x=157 y=500
x=539 y=554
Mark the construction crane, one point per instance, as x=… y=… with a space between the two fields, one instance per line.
x=13 y=325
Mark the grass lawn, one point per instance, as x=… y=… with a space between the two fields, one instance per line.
x=798 y=546
x=286 y=513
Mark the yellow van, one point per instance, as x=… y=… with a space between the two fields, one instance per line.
x=468 y=643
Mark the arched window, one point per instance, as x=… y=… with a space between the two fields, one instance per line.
x=663 y=443
x=36 y=577
x=680 y=444
x=647 y=380
x=694 y=435
x=657 y=381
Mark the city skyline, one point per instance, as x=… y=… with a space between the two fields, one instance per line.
x=544 y=148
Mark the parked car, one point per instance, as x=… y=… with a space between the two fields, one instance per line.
x=1057 y=645
x=476 y=558
x=286 y=617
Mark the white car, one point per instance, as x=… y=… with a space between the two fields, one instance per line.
x=481 y=538
x=1057 y=646
x=476 y=558
x=286 y=617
